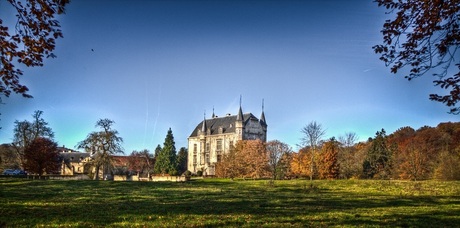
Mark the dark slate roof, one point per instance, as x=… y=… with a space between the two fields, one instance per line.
x=262 y=119
x=73 y=156
x=227 y=123
x=63 y=149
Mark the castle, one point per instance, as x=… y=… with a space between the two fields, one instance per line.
x=212 y=138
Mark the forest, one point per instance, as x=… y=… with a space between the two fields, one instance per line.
x=406 y=154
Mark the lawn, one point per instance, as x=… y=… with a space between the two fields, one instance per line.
x=218 y=202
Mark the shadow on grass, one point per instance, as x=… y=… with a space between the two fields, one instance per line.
x=214 y=203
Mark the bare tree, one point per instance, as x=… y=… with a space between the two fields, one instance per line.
x=313 y=133
x=141 y=161
x=25 y=132
x=102 y=145
x=347 y=154
x=276 y=150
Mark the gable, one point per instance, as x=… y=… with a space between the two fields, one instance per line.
x=222 y=125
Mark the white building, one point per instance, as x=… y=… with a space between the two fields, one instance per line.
x=214 y=137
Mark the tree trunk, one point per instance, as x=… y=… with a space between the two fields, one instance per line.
x=97 y=172
x=311 y=166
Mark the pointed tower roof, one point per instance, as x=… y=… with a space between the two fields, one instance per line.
x=239 y=117
x=203 y=126
x=262 y=116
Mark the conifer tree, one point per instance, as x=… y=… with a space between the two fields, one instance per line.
x=157 y=151
x=166 y=160
x=182 y=160
x=379 y=157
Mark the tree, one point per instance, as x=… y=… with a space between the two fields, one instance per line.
x=156 y=153
x=424 y=36
x=41 y=156
x=248 y=159
x=26 y=132
x=141 y=162
x=359 y=157
x=251 y=160
x=329 y=165
x=182 y=160
x=379 y=157
x=284 y=166
x=276 y=150
x=429 y=145
x=166 y=160
x=8 y=157
x=347 y=154
x=102 y=145
x=447 y=168
x=34 y=38
x=228 y=166
x=300 y=162
x=313 y=133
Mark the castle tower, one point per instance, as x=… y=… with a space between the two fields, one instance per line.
x=263 y=122
x=202 y=135
x=239 y=123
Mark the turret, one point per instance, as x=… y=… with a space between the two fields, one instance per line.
x=262 y=120
x=204 y=127
x=239 y=128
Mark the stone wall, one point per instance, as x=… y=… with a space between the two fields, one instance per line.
x=153 y=178
x=59 y=177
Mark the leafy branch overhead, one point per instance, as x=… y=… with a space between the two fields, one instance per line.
x=31 y=40
x=425 y=37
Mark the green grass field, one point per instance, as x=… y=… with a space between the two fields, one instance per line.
x=217 y=202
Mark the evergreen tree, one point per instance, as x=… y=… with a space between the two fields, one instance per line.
x=182 y=160
x=379 y=157
x=166 y=159
x=155 y=157
x=157 y=151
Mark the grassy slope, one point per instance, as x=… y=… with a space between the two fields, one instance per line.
x=214 y=202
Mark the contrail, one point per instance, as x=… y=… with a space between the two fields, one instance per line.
x=158 y=115
x=146 y=115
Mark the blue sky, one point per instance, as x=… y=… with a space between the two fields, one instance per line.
x=152 y=65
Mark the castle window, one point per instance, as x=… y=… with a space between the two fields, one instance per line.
x=202 y=159
x=194 y=148
x=194 y=159
x=219 y=145
x=207 y=158
x=207 y=148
